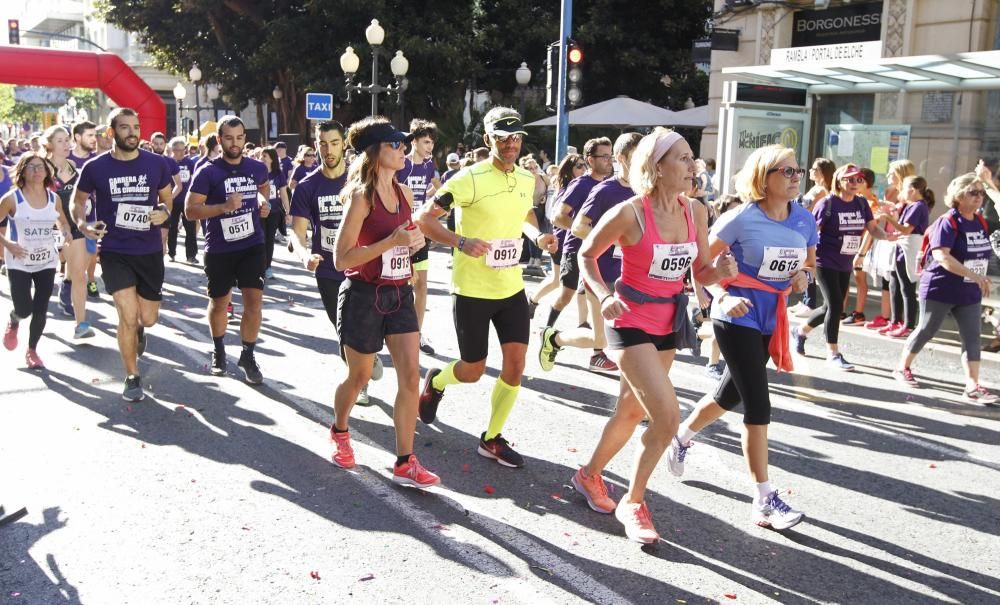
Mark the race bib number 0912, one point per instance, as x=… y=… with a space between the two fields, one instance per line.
x=504 y=253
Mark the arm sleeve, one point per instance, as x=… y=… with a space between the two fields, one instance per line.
x=86 y=181
x=819 y=208
x=727 y=228
x=201 y=183
x=167 y=174
x=300 y=202
x=942 y=234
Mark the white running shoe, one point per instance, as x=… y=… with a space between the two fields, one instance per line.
x=775 y=513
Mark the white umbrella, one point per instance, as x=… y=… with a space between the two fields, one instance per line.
x=621 y=112
x=696 y=117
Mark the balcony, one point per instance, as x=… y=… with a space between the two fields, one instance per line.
x=52 y=16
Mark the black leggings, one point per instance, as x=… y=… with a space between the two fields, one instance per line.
x=745 y=378
x=190 y=232
x=25 y=305
x=272 y=223
x=328 y=292
x=833 y=285
x=904 y=296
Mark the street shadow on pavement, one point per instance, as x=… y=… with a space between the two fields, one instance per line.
x=22 y=579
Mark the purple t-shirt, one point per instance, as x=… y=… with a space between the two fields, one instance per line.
x=185 y=169
x=237 y=230
x=840 y=233
x=286 y=167
x=124 y=194
x=302 y=171
x=277 y=181
x=603 y=197
x=418 y=178
x=448 y=174
x=317 y=198
x=574 y=195
x=970 y=245
x=919 y=216
x=79 y=162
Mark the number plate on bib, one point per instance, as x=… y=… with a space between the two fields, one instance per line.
x=671 y=261
x=235 y=228
x=328 y=238
x=396 y=263
x=38 y=257
x=977 y=266
x=780 y=264
x=132 y=217
x=504 y=253
x=851 y=245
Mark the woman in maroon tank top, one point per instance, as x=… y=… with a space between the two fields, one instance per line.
x=375 y=305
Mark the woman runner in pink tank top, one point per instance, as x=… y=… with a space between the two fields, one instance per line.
x=375 y=304
x=661 y=238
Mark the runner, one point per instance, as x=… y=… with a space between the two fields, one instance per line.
x=863 y=259
x=954 y=281
x=571 y=167
x=185 y=170
x=278 y=202
x=493 y=202
x=209 y=150
x=31 y=210
x=84 y=143
x=316 y=204
x=913 y=221
x=602 y=198
x=661 y=235
x=224 y=194
x=131 y=190
x=286 y=162
x=454 y=163
x=158 y=145
x=305 y=162
x=841 y=217
x=774 y=243
x=373 y=247
x=597 y=155
x=421 y=176
x=821 y=173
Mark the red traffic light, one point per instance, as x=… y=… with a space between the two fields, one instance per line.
x=12 y=24
x=575 y=55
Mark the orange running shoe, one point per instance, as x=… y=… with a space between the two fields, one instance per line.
x=637 y=521
x=594 y=490
x=343 y=455
x=411 y=473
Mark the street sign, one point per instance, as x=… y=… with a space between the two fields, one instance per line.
x=319 y=106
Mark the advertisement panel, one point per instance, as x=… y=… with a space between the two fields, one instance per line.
x=854 y=22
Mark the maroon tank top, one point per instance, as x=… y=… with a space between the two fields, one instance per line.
x=378 y=225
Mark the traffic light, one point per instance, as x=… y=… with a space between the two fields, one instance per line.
x=574 y=74
x=14 y=29
x=552 y=76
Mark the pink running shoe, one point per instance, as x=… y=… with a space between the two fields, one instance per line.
x=411 y=473
x=343 y=455
x=890 y=328
x=34 y=362
x=877 y=323
x=637 y=521
x=900 y=332
x=594 y=490
x=10 y=336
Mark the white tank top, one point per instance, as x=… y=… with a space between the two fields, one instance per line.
x=35 y=230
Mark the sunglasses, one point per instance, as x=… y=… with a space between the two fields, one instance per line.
x=788 y=172
x=512 y=138
x=395 y=144
x=854 y=180
x=579 y=165
x=976 y=192
x=35 y=168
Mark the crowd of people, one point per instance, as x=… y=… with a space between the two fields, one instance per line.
x=635 y=229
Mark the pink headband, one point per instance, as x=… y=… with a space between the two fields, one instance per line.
x=663 y=145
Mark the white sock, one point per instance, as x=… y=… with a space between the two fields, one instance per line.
x=685 y=435
x=764 y=490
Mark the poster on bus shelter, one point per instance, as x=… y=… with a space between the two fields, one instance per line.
x=868 y=146
x=756 y=128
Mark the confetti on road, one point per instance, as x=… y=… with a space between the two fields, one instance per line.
x=571 y=450
x=730 y=595
x=366 y=577
x=314 y=575
x=931 y=465
x=466 y=468
x=489 y=489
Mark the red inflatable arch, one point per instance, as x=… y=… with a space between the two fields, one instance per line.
x=84 y=69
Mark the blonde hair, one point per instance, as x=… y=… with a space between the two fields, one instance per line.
x=45 y=141
x=902 y=169
x=751 y=180
x=642 y=172
x=958 y=186
x=837 y=174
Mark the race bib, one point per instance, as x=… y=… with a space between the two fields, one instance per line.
x=396 y=263
x=235 y=228
x=185 y=174
x=851 y=245
x=39 y=257
x=132 y=217
x=977 y=266
x=672 y=261
x=328 y=238
x=780 y=264
x=504 y=253
x=617 y=252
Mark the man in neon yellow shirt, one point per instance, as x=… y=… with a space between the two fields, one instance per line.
x=492 y=201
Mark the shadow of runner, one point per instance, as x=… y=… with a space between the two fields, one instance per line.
x=22 y=579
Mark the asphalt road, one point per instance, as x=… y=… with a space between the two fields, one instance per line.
x=211 y=491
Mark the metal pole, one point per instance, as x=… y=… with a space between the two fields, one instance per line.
x=374 y=89
x=180 y=118
x=562 y=128
x=197 y=112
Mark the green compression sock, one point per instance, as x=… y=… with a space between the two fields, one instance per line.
x=503 y=399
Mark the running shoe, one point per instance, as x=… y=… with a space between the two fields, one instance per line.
x=268 y=273
x=140 y=342
x=800 y=340
x=499 y=449
x=889 y=328
x=878 y=323
x=83 y=330
x=218 y=366
x=3 y=269
x=843 y=316
x=804 y=311
x=775 y=513
x=92 y=290
x=905 y=376
x=343 y=454
x=280 y=239
x=714 y=370
x=10 y=335
x=637 y=521
x=33 y=360
x=377 y=368
x=172 y=258
x=251 y=371
x=838 y=362
x=901 y=332
x=192 y=260
x=425 y=346
x=66 y=298
x=548 y=351
x=430 y=397
x=363 y=399
x=133 y=388
x=231 y=310
x=794 y=309
x=980 y=394
x=531 y=309
x=676 y=453
x=413 y=474
x=594 y=490
x=855 y=319
x=601 y=363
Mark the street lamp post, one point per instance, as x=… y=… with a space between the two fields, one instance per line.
x=277 y=94
x=522 y=76
x=211 y=93
x=349 y=62
x=195 y=76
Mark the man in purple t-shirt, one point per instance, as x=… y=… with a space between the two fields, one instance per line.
x=84 y=143
x=597 y=153
x=421 y=176
x=185 y=172
x=229 y=195
x=602 y=198
x=131 y=190
x=158 y=143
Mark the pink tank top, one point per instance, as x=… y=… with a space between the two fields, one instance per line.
x=656 y=268
x=393 y=267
